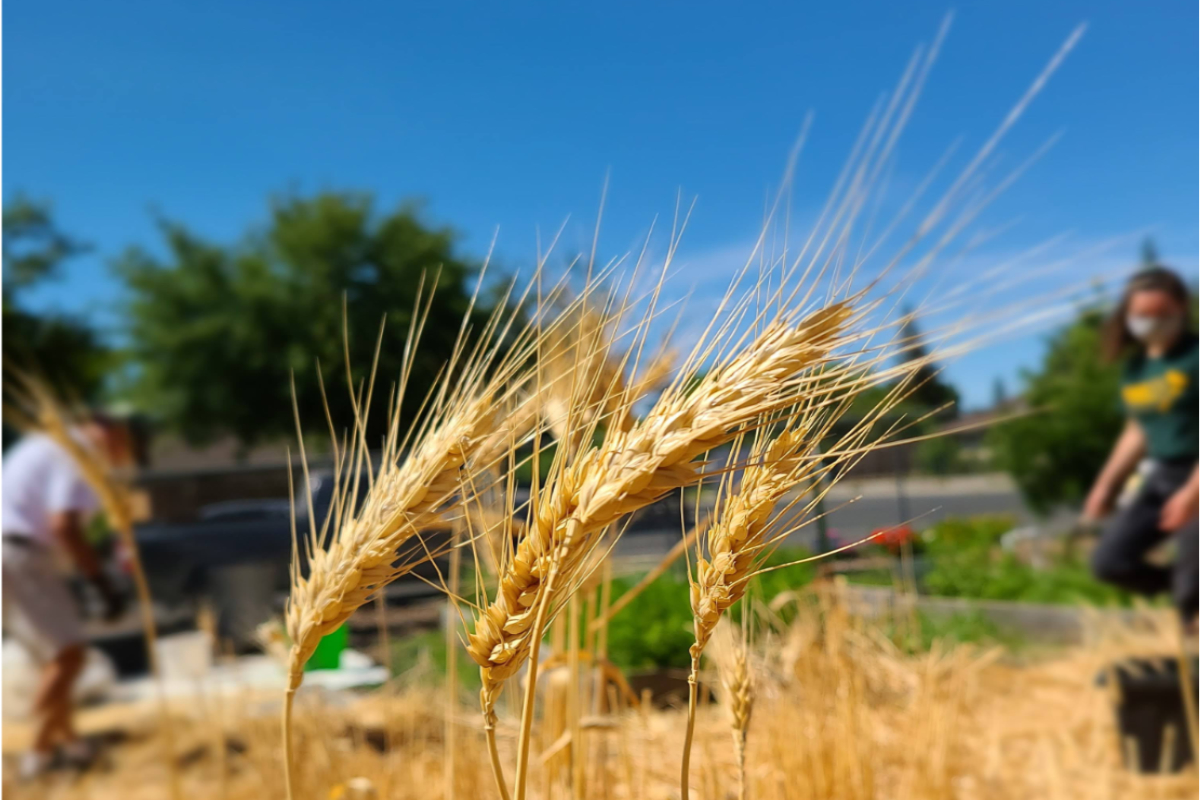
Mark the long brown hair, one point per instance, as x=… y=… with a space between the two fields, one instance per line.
x=1115 y=338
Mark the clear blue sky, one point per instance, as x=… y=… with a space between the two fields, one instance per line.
x=116 y=111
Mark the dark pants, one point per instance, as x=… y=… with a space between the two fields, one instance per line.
x=1133 y=531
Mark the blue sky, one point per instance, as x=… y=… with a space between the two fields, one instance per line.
x=511 y=118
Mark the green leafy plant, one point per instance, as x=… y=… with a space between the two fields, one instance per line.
x=966 y=561
x=408 y=653
x=655 y=630
x=970 y=627
x=1054 y=453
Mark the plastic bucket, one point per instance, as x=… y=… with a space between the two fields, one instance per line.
x=1149 y=705
x=329 y=650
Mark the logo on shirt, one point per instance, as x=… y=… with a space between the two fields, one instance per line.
x=1158 y=393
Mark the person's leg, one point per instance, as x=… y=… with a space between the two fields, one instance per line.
x=1185 y=580
x=1120 y=555
x=52 y=704
x=40 y=613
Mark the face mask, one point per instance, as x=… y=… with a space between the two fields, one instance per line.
x=1152 y=329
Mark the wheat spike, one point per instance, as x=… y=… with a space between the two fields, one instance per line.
x=632 y=469
x=737 y=680
x=373 y=544
x=362 y=556
x=738 y=536
x=363 y=547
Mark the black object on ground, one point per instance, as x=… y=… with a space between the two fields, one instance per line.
x=668 y=688
x=1149 y=703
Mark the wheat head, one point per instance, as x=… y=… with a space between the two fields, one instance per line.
x=739 y=687
x=365 y=553
x=738 y=536
x=631 y=469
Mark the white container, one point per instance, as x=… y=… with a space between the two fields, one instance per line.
x=185 y=657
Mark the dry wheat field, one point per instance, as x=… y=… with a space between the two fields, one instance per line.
x=575 y=376
x=835 y=711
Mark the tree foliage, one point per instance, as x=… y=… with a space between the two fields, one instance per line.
x=929 y=390
x=62 y=349
x=34 y=247
x=1055 y=453
x=216 y=332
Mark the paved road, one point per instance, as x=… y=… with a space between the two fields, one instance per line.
x=878 y=507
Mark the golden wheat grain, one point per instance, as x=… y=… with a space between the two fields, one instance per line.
x=632 y=469
x=364 y=555
x=361 y=547
x=732 y=658
x=629 y=470
x=737 y=538
x=741 y=693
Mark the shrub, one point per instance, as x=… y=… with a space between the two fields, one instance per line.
x=966 y=561
x=655 y=630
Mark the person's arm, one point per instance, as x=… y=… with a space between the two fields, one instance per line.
x=1126 y=453
x=1181 y=506
x=67 y=529
x=71 y=503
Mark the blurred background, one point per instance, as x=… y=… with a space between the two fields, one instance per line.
x=189 y=190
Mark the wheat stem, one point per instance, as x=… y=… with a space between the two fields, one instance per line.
x=286 y=725
x=489 y=731
x=455 y=567
x=531 y=687
x=685 y=768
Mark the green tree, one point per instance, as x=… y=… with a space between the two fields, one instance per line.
x=63 y=349
x=216 y=331
x=1055 y=452
x=929 y=390
x=941 y=455
x=999 y=393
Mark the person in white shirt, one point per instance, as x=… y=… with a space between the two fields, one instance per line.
x=46 y=504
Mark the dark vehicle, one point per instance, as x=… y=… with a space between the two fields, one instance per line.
x=236 y=556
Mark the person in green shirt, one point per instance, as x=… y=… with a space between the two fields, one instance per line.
x=1150 y=331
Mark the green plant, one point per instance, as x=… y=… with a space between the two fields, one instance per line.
x=941 y=455
x=656 y=628
x=970 y=627
x=429 y=647
x=1054 y=453
x=782 y=574
x=966 y=561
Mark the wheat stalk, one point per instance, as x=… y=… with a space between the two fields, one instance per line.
x=363 y=547
x=362 y=558
x=629 y=470
x=744 y=523
x=737 y=681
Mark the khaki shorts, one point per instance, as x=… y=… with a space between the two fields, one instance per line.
x=39 y=611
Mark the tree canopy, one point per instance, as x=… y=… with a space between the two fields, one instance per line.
x=217 y=331
x=1056 y=452
x=929 y=390
x=61 y=348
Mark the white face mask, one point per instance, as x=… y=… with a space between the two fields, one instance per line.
x=1148 y=329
